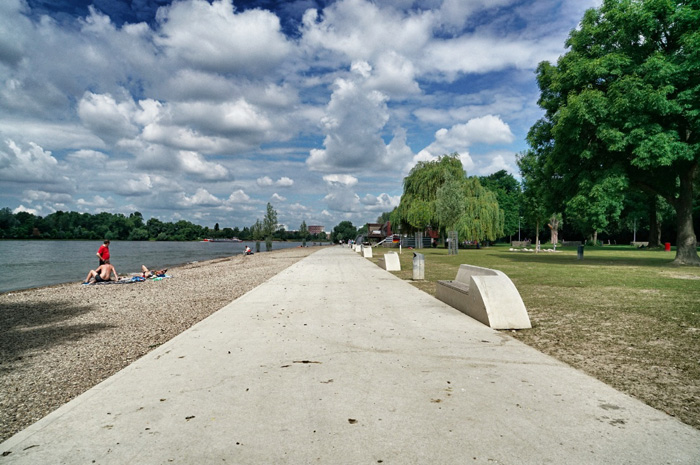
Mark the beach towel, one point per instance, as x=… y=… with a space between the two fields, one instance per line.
x=135 y=279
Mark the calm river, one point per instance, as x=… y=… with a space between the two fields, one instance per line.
x=28 y=264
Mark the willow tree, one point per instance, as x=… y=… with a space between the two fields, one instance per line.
x=438 y=194
x=622 y=108
x=482 y=217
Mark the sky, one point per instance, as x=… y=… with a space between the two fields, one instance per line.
x=209 y=110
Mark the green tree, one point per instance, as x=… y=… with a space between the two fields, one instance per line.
x=344 y=231
x=598 y=203
x=450 y=203
x=622 y=108
x=384 y=217
x=7 y=222
x=427 y=201
x=257 y=233
x=269 y=225
x=303 y=232
x=482 y=218
x=508 y=193
x=537 y=194
x=138 y=234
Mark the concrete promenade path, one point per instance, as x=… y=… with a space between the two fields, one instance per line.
x=336 y=361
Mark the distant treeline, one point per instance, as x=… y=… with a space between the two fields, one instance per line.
x=116 y=226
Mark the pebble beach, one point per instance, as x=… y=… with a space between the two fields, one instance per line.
x=57 y=342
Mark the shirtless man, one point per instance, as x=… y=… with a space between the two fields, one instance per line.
x=101 y=273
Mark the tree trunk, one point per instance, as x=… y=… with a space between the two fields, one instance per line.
x=686 y=242
x=537 y=236
x=595 y=238
x=654 y=225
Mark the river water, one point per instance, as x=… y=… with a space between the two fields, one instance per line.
x=29 y=264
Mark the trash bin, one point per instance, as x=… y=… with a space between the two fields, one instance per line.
x=418 y=266
x=668 y=246
x=580 y=252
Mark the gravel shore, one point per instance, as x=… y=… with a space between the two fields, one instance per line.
x=57 y=342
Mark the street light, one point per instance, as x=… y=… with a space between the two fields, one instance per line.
x=519 y=218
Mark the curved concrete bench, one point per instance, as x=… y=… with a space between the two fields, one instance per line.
x=488 y=296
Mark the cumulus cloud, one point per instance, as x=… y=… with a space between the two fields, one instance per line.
x=278 y=198
x=194 y=164
x=96 y=201
x=344 y=180
x=466 y=54
x=484 y=130
x=213 y=37
x=341 y=201
x=362 y=30
x=136 y=186
x=106 y=118
x=496 y=161
x=266 y=181
x=381 y=203
x=30 y=163
x=284 y=181
x=201 y=198
x=238 y=196
x=352 y=124
x=22 y=208
x=32 y=196
x=87 y=156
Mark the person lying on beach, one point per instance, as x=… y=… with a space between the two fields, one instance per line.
x=101 y=273
x=153 y=274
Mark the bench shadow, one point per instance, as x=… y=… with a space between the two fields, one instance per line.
x=30 y=327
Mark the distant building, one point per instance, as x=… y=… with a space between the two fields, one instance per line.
x=315 y=229
x=374 y=231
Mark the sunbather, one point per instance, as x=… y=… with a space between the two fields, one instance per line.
x=101 y=273
x=153 y=274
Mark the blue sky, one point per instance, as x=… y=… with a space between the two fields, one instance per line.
x=208 y=110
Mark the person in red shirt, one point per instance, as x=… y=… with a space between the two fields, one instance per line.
x=103 y=253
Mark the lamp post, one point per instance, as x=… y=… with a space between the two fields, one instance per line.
x=519 y=218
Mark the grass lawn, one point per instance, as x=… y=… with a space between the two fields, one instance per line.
x=625 y=316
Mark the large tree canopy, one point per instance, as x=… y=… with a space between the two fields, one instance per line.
x=437 y=194
x=623 y=112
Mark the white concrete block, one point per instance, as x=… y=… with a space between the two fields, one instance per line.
x=367 y=252
x=390 y=262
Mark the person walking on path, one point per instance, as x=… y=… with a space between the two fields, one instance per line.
x=103 y=253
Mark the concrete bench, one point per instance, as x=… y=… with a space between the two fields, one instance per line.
x=390 y=262
x=488 y=296
x=366 y=251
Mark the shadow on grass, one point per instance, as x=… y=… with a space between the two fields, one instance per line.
x=29 y=327
x=590 y=258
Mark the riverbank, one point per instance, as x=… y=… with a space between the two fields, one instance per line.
x=40 y=263
x=57 y=342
